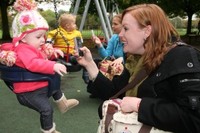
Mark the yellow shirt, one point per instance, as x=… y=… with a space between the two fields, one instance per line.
x=60 y=43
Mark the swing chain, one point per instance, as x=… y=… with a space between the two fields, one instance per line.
x=57 y=25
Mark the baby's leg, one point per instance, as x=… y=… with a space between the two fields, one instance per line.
x=38 y=101
x=64 y=104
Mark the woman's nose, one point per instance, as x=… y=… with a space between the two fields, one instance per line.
x=121 y=33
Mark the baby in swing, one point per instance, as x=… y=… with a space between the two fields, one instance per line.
x=31 y=52
x=63 y=37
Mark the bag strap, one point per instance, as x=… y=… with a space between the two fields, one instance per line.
x=138 y=78
x=145 y=129
x=111 y=110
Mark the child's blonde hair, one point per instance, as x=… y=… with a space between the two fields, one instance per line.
x=66 y=18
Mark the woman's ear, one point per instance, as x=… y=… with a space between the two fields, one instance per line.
x=147 y=31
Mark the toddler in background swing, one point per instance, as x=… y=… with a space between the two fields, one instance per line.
x=63 y=37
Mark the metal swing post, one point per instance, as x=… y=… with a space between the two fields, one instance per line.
x=115 y=7
x=106 y=17
x=102 y=15
x=102 y=20
x=84 y=15
x=76 y=7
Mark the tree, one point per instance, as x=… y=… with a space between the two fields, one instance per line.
x=173 y=8
x=184 y=8
x=4 y=4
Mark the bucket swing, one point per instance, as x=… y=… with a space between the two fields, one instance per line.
x=69 y=60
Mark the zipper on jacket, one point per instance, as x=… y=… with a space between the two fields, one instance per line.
x=188 y=80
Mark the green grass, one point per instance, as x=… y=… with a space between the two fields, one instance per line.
x=16 y=118
x=88 y=34
x=182 y=32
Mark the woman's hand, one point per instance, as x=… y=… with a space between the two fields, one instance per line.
x=130 y=104
x=86 y=59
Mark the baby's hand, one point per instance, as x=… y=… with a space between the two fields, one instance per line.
x=60 y=69
x=58 y=52
x=47 y=49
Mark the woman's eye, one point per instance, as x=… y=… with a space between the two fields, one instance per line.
x=125 y=28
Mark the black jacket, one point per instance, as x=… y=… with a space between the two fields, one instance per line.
x=171 y=94
x=103 y=88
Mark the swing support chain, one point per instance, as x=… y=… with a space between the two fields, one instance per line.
x=58 y=30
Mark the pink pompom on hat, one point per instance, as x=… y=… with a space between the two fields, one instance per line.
x=27 y=20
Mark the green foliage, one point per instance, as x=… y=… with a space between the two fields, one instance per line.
x=92 y=21
x=173 y=8
x=0 y=21
x=92 y=8
x=0 y=33
x=177 y=22
x=49 y=15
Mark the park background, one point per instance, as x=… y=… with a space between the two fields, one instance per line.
x=183 y=14
x=14 y=118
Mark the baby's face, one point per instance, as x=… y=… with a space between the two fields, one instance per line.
x=35 y=38
x=70 y=26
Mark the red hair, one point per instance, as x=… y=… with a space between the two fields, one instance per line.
x=160 y=39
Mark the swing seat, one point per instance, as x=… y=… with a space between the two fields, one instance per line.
x=72 y=65
x=15 y=74
x=69 y=60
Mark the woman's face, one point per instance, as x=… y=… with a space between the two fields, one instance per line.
x=116 y=25
x=132 y=36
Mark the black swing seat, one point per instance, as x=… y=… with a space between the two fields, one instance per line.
x=15 y=74
x=73 y=68
x=72 y=65
x=69 y=60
